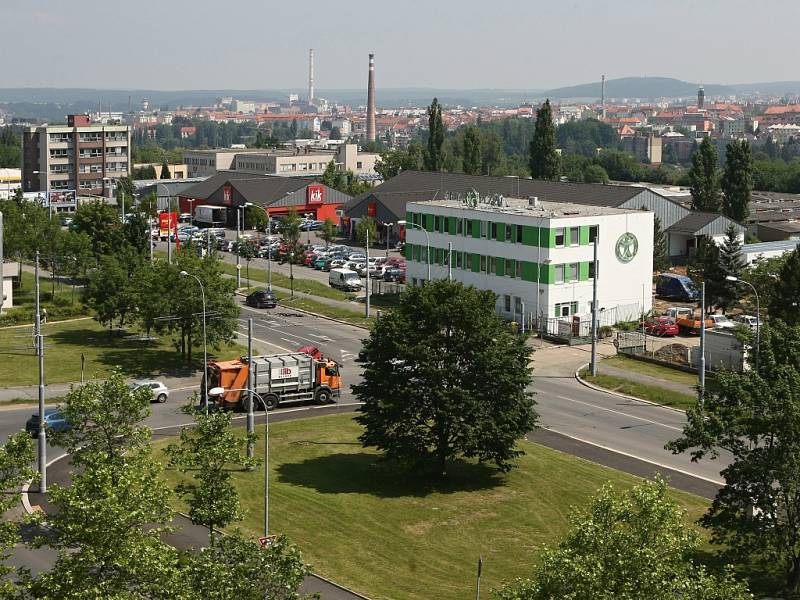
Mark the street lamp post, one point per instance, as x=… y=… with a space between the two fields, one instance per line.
x=269 y=243
x=218 y=391
x=388 y=229
x=308 y=225
x=427 y=243
x=758 y=315
x=205 y=345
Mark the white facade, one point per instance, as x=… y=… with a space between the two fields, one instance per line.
x=546 y=268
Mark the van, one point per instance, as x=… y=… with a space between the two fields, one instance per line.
x=676 y=287
x=344 y=279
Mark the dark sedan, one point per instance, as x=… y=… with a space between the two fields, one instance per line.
x=262 y=299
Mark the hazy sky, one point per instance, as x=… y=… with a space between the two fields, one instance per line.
x=259 y=44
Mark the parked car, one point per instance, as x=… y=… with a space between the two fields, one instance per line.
x=54 y=420
x=722 y=322
x=334 y=263
x=319 y=262
x=344 y=279
x=748 y=320
x=262 y=299
x=357 y=257
x=661 y=326
x=160 y=390
x=394 y=274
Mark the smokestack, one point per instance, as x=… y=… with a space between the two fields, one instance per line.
x=311 y=75
x=371 y=100
x=603 y=97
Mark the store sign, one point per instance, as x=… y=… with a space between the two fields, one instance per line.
x=627 y=247
x=285 y=373
x=227 y=194
x=62 y=199
x=372 y=209
x=167 y=221
x=315 y=194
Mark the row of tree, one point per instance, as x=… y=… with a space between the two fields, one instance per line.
x=108 y=526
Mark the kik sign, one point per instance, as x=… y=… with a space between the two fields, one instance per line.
x=315 y=194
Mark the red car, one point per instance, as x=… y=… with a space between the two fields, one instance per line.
x=661 y=326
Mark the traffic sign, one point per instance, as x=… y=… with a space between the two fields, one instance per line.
x=267 y=540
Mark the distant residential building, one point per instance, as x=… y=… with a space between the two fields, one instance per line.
x=731 y=127
x=677 y=146
x=644 y=146
x=175 y=171
x=781 y=133
x=77 y=156
x=204 y=163
x=307 y=162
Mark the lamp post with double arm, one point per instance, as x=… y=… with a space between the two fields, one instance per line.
x=205 y=342
x=758 y=314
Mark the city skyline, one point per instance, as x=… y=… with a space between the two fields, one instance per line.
x=451 y=45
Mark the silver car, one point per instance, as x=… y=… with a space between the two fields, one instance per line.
x=159 y=390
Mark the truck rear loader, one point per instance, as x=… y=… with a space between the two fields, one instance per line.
x=277 y=378
x=687 y=323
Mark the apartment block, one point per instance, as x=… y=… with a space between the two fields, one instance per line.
x=79 y=156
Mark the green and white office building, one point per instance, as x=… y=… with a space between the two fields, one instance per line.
x=536 y=256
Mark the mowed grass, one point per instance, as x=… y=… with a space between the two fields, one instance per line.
x=64 y=343
x=644 y=391
x=307 y=286
x=394 y=536
x=646 y=368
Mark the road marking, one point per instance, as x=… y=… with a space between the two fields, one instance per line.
x=255 y=339
x=624 y=414
x=300 y=337
x=323 y=338
x=634 y=456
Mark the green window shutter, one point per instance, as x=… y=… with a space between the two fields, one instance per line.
x=406 y=251
x=529 y=271
x=428 y=224
x=476 y=228
x=452 y=222
x=501 y=232
x=584 y=236
x=476 y=263
x=500 y=266
x=547 y=274
x=583 y=268
x=550 y=236
x=529 y=235
x=409 y=217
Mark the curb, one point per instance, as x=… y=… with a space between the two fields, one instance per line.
x=597 y=388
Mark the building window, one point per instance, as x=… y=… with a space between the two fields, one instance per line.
x=510 y=270
x=574 y=236
x=509 y=233
x=507 y=303
x=483 y=264
x=591 y=270
x=483 y=229
x=592 y=233
x=560 y=237
x=469 y=227
x=559 y=278
x=494 y=231
x=518 y=237
x=437 y=223
x=359 y=165
x=492 y=265
x=573 y=271
x=518 y=305
x=565 y=309
x=519 y=269
x=459 y=226
x=458 y=259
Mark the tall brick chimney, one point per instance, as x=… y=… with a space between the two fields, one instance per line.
x=371 y=100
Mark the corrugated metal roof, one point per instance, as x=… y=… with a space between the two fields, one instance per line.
x=694 y=222
x=258 y=189
x=759 y=247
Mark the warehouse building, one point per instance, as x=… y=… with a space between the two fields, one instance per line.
x=536 y=256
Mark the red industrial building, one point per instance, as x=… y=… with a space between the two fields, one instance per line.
x=275 y=193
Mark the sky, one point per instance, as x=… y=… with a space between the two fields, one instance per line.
x=458 y=44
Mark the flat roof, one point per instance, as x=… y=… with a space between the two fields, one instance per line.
x=787 y=245
x=523 y=207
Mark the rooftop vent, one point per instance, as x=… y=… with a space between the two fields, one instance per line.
x=533 y=201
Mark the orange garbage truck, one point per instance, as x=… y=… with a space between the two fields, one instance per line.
x=277 y=378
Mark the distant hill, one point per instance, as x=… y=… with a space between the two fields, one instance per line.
x=777 y=88
x=638 y=87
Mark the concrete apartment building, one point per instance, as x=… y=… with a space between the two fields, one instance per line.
x=78 y=156
x=205 y=163
x=306 y=162
x=536 y=256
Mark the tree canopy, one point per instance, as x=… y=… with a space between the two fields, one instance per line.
x=737 y=180
x=704 y=178
x=444 y=377
x=785 y=301
x=433 y=156
x=544 y=161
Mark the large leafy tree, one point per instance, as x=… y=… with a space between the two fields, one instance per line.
x=15 y=457
x=111 y=290
x=737 y=180
x=208 y=450
x=328 y=231
x=755 y=417
x=101 y=223
x=110 y=519
x=290 y=238
x=704 y=178
x=433 y=156
x=392 y=162
x=366 y=226
x=543 y=158
x=785 y=302
x=472 y=159
x=235 y=568
x=627 y=546
x=248 y=250
x=444 y=377
x=763 y=273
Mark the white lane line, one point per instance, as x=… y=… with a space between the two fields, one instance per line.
x=618 y=412
x=300 y=337
x=634 y=456
x=255 y=339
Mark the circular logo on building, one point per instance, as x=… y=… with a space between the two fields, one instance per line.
x=627 y=247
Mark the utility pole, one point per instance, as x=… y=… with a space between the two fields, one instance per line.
x=478 y=582
x=594 y=309
x=2 y=293
x=702 y=367
x=238 y=258
x=42 y=438
x=251 y=425
x=269 y=251
x=367 y=267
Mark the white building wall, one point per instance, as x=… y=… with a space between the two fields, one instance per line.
x=620 y=284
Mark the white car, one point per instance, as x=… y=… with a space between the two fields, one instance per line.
x=722 y=322
x=749 y=320
x=357 y=257
x=159 y=390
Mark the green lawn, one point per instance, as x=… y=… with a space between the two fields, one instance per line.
x=641 y=390
x=365 y=525
x=64 y=304
x=64 y=343
x=653 y=370
x=308 y=286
